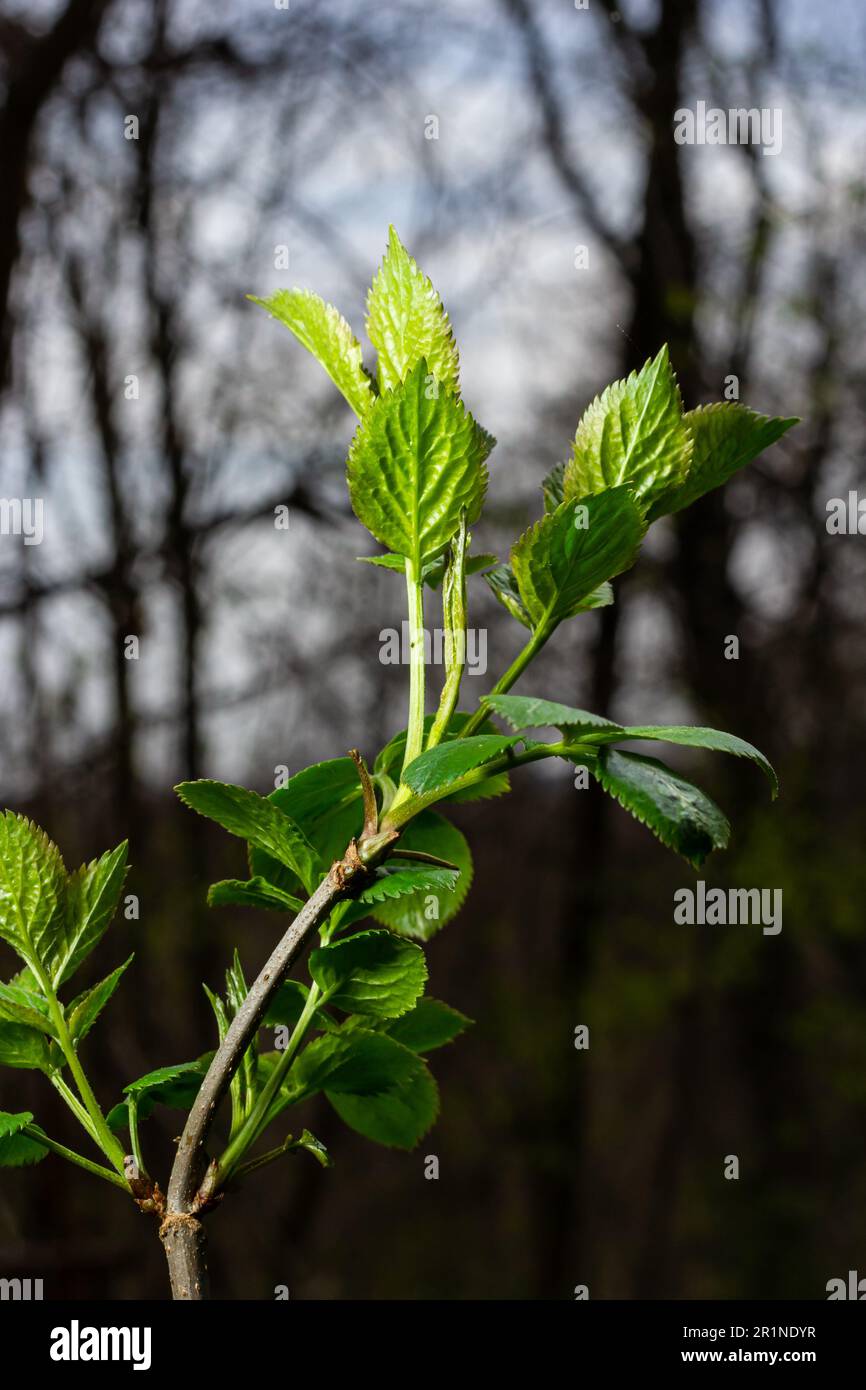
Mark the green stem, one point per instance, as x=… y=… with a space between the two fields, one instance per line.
x=101 y=1133
x=415 y=730
x=259 y=1117
x=34 y=1132
x=515 y=670
x=135 y=1143
x=75 y=1106
x=406 y=810
x=270 y=1157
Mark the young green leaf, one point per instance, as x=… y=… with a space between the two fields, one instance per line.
x=325 y=800
x=632 y=433
x=325 y=333
x=560 y=562
x=396 y=883
x=726 y=436
x=406 y=321
x=390 y=760
x=420 y=915
x=93 y=894
x=503 y=586
x=175 y=1086
x=373 y=973
x=392 y=883
x=683 y=817
x=433 y=572
x=83 y=1012
x=429 y=1025
x=445 y=764
x=17 y=1148
x=385 y=562
x=32 y=894
x=219 y=1013
x=553 y=488
x=414 y=463
x=313 y=1146
x=252 y=892
x=259 y=821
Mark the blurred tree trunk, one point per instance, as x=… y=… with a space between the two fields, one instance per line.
x=661 y=270
x=35 y=66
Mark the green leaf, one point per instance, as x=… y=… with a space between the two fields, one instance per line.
x=553 y=488
x=219 y=1012
x=373 y=973
x=175 y=1086
x=632 y=433
x=406 y=321
x=679 y=814
x=445 y=764
x=560 y=562
x=350 y=1060
x=253 y=892
x=396 y=883
x=259 y=821
x=32 y=893
x=398 y=1118
x=414 y=463
x=391 y=883
x=430 y=1024
x=691 y=736
x=526 y=712
x=432 y=572
x=24 y=1047
x=287 y=1005
x=503 y=586
x=420 y=915
x=16 y=1148
x=602 y=597
x=390 y=760
x=313 y=1146
x=325 y=799
x=21 y=1005
x=325 y=333
x=378 y=1087
x=93 y=894
x=726 y=436
x=385 y=562
x=83 y=1012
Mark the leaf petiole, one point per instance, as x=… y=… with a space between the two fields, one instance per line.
x=34 y=1132
x=100 y=1131
x=505 y=682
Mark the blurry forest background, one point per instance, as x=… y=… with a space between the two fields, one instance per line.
x=264 y=131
